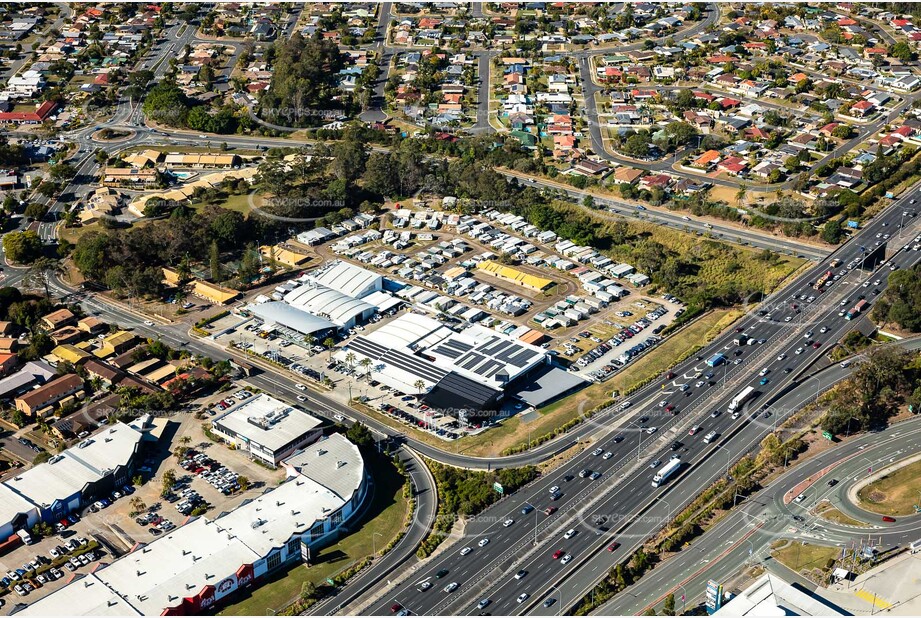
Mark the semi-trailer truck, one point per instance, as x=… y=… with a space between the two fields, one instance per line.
x=667 y=471
x=739 y=400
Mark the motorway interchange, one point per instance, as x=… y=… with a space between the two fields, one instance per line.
x=620 y=506
x=629 y=515
x=632 y=513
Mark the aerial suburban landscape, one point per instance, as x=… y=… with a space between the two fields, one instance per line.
x=452 y=308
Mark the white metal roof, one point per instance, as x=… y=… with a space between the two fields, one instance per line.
x=410 y=330
x=267 y=422
x=283 y=314
x=327 y=303
x=68 y=473
x=204 y=552
x=348 y=279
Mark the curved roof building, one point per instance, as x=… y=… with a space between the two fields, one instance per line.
x=340 y=309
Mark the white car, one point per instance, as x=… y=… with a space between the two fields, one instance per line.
x=523 y=597
x=148 y=323
x=300 y=387
x=451 y=587
x=607 y=455
x=508 y=522
x=301 y=398
x=788 y=318
x=569 y=534
x=465 y=551
x=799 y=351
x=565 y=559
x=554 y=489
x=483 y=542
x=781 y=357
x=824 y=329
x=651 y=430
x=764 y=372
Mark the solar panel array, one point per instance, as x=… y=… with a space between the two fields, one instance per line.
x=488 y=358
x=400 y=360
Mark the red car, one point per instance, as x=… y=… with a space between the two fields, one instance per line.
x=888 y=520
x=613 y=546
x=815 y=346
x=395 y=608
x=550 y=510
x=557 y=554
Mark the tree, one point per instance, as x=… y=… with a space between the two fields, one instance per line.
x=244 y=482
x=43 y=269
x=215 y=261
x=329 y=343
x=419 y=385
x=366 y=365
x=22 y=247
x=902 y=51
x=41 y=458
x=832 y=233
x=360 y=435
x=636 y=146
x=169 y=481
x=668 y=607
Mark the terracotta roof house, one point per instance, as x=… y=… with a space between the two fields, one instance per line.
x=45 y=397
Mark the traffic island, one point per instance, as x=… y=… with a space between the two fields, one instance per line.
x=894 y=490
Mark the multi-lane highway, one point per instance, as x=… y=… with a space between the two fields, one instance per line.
x=744 y=536
x=622 y=497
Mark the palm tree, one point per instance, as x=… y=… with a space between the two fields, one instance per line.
x=419 y=386
x=310 y=340
x=350 y=360
x=366 y=365
x=741 y=193
x=42 y=270
x=329 y=343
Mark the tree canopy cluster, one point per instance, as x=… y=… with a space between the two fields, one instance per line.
x=887 y=379
x=901 y=302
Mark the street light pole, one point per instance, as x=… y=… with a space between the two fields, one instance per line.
x=374 y=543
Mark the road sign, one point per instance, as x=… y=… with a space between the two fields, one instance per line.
x=498 y=487
x=827 y=435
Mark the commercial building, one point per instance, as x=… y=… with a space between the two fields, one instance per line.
x=464 y=373
x=201 y=160
x=214 y=293
x=197 y=565
x=513 y=275
x=341 y=309
x=769 y=595
x=267 y=429
x=77 y=477
x=129 y=177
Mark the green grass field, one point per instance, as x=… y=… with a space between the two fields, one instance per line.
x=804 y=556
x=896 y=493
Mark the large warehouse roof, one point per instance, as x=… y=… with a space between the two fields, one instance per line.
x=182 y=563
x=67 y=474
x=283 y=314
x=410 y=330
x=349 y=279
x=327 y=303
x=485 y=355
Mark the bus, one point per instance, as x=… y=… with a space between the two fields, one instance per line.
x=855 y=310
x=670 y=468
x=739 y=400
